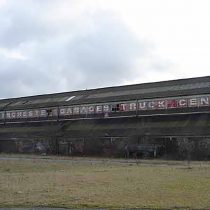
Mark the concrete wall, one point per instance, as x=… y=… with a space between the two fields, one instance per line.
x=179 y=136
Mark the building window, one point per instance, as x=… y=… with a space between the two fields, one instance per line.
x=116 y=108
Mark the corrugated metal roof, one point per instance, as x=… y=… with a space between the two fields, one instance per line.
x=152 y=90
x=192 y=86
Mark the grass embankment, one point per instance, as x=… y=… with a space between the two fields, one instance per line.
x=103 y=184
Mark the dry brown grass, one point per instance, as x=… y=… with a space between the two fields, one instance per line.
x=103 y=184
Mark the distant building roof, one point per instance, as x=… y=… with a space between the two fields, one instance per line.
x=181 y=87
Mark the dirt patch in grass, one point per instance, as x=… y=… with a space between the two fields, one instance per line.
x=103 y=184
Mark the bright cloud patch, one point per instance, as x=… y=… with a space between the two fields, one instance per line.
x=43 y=51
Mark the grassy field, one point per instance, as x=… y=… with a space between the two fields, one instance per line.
x=80 y=182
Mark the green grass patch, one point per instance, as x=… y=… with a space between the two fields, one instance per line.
x=110 y=184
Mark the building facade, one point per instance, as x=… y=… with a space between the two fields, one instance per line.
x=162 y=119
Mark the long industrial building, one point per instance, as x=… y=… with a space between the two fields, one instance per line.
x=169 y=119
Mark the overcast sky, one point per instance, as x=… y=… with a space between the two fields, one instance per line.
x=49 y=46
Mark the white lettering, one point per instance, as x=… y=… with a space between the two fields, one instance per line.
x=30 y=113
x=25 y=114
x=13 y=115
x=161 y=105
x=132 y=106
x=76 y=110
x=142 y=105
x=106 y=108
x=192 y=102
x=204 y=101
x=43 y=113
x=62 y=111
x=19 y=114
x=69 y=111
x=182 y=102
x=83 y=110
x=1 y=115
x=8 y=115
x=151 y=104
x=91 y=109
x=36 y=113
x=99 y=109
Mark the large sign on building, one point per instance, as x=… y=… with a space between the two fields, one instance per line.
x=178 y=102
x=141 y=105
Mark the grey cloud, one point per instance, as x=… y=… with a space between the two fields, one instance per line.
x=103 y=54
x=23 y=21
x=108 y=54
